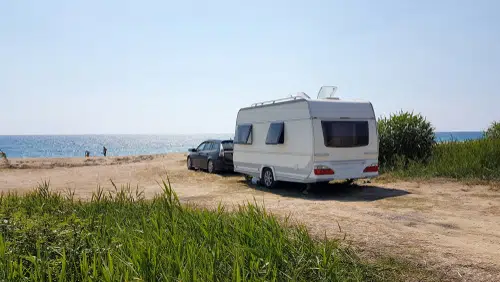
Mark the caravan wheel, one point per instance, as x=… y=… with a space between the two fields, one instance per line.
x=268 y=178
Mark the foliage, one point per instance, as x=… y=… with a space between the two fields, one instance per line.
x=472 y=159
x=120 y=236
x=493 y=131
x=403 y=138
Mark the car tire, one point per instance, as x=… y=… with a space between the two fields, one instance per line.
x=268 y=179
x=210 y=166
x=189 y=164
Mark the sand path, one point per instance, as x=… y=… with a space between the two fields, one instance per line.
x=447 y=226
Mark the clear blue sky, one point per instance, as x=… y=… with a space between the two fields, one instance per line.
x=76 y=67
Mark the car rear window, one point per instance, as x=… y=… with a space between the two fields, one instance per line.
x=345 y=134
x=227 y=145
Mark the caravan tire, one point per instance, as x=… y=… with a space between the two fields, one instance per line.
x=268 y=178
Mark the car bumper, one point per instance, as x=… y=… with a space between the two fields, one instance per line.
x=222 y=165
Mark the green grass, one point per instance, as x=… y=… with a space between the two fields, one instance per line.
x=120 y=236
x=468 y=160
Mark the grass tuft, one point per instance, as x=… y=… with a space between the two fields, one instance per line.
x=121 y=236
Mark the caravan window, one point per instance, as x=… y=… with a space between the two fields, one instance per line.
x=243 y=134
x=343 y=134
x=276 y=133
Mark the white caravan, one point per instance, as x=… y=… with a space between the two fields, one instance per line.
x=304 y=140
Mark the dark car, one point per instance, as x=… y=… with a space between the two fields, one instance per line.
x=212 y=156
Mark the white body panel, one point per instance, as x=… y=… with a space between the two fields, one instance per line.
x=304 y=144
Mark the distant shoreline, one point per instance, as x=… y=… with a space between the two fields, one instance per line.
x=69 y=162
x=74 y=146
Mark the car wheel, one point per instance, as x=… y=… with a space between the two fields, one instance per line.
x=210 y=167
x=189 y=164
x=268 y=178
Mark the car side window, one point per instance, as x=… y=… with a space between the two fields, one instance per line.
x=201 y=147
x=216 y=146
x=209 y=146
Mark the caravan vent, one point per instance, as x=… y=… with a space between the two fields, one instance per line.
x=332 y=98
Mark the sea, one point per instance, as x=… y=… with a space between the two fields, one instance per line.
x=53 y=146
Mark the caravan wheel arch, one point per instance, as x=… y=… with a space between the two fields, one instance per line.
x=261 y=170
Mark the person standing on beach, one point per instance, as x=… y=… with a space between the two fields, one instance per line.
x=104 y=150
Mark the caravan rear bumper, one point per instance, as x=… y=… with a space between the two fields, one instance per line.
x=339 y=170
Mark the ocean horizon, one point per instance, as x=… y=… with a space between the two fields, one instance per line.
x=60 y=146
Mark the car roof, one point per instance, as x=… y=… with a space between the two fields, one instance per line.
x=218 y=140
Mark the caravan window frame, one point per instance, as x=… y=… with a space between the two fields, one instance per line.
x=249 y=138
x=280 y=138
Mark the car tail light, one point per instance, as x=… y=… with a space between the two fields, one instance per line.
x=371 y=168
x=323 y=170
x=221 y=151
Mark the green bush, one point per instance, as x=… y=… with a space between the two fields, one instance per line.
x=493 y=131
x=403 y=138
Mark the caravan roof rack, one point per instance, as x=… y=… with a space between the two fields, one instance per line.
x=301 y=96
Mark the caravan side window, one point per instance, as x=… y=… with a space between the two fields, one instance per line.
x=243 y=134
x=276 y=133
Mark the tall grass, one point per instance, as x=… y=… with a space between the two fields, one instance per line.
x=120 y=236
x=472 y=159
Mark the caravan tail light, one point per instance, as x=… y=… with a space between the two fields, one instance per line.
x=323 y=170
x=371 y=168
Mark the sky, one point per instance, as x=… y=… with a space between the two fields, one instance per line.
x=183 y=67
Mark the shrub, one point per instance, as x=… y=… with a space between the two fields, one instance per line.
x=471 y=159
x=493 y=131
x=404 y=137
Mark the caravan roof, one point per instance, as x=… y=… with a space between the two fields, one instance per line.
x=321 y=108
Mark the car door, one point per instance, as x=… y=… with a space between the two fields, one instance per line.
x=205 y=154
x=195 y=157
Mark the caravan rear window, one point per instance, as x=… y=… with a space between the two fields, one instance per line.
x=243 y=134
x=344 y=134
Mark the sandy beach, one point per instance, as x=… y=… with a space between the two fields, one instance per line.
x=443 y=225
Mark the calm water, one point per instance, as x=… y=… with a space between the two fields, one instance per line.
x=30 y=146
x=122 y=145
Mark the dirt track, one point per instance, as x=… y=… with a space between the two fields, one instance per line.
x=448 y=226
